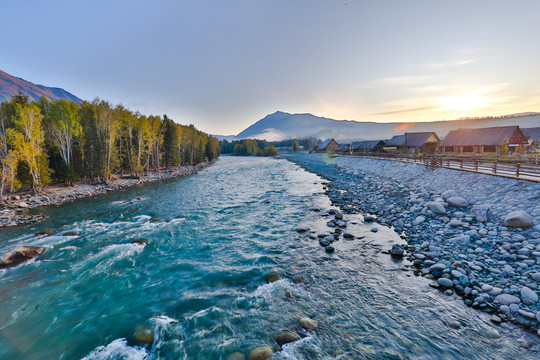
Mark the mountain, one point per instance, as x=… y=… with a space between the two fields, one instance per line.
x=281 y=126
x=11 y=85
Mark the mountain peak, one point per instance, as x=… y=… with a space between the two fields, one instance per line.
x=281 y=125
x=11 y=85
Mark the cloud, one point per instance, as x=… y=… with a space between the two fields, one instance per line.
x=402 y=111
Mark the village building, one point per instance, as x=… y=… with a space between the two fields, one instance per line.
x=367 y=146
x=483 y=140
x=533 y=138
x=329 y=145
x=409 y=143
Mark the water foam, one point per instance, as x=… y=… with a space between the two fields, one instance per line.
x=117 y=350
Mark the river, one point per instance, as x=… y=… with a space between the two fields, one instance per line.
x=197 y=281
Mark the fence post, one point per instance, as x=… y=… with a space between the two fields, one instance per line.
x=495 y=167
x=517 y=169
x=476 y=165
x=461 y=166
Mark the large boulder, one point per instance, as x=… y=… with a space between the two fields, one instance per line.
x=448 y=194
x=436 y=207
x=20 y=254
x=457 y=201
x=518 y=219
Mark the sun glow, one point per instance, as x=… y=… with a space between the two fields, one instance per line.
x=466 y=102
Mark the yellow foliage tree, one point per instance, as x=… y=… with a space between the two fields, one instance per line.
x=27 y=142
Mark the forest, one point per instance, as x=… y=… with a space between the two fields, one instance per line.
x=247 y=147
x=265 y=148
x=44 y=140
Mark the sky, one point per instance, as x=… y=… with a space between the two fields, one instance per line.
x=223 y=65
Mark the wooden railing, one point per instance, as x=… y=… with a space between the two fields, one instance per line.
x=512 y=169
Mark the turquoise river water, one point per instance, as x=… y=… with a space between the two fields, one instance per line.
x=199 y=283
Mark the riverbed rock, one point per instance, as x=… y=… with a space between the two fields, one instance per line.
x=448 y=194
x=236 y=356
x=480 y=212
x=273 y=277
x=139 y=242
x=44 y=232
x=329 y=249
x=70 y=233
x=528 y=296
x=518 y=219
x=23 y=205
x=445 y=282
x=308 y=324
x=301 y=230
x=536 y=276
x=436 y=208
x=144 y=335
x=20 y=254
x=457 y=201
x=492 y=334
x=397 y=251
x=261 y=353
x=286 y=337
x=507 y=299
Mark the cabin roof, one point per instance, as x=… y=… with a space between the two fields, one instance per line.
x=532 y=133
x=327 y=142
x=493 y=136
x=410 y=139
x=367 y=145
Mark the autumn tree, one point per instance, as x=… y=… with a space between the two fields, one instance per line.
x=171 y=153
x=64 y=125
x=27 y=140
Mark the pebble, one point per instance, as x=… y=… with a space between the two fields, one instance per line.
x=261 y=353
x=374 y=230
x=528 y=296
x=445 y=282
x=308 y=324
x=273 y=277
x=286 y=337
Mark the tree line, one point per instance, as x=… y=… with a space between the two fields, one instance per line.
x=45 y=140
x=247 y=147
x=265 y=148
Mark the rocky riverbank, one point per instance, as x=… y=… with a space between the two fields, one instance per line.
x=15 y=208
x=459 y=227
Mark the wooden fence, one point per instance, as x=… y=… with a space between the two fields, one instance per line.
x=514 y=170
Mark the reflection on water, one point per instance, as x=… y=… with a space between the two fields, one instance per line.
x=196 y=283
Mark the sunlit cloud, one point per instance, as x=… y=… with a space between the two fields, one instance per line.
x=409 y=110
x=472 y=100
x=452 y=63
x=398 y=81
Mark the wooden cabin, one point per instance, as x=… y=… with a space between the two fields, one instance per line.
x=533 y=138
x=484 y=140
x=419 y=142
x=369 y=146
x=329 y=145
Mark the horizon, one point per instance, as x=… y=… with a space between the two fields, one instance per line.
x=222 y=67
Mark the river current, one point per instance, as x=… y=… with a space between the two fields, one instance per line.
x=197 y=281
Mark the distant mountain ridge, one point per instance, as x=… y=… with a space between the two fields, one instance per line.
x=280 y=126
x=11 y=86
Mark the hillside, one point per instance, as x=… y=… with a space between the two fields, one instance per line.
x=281 y=125
x=11 y=85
